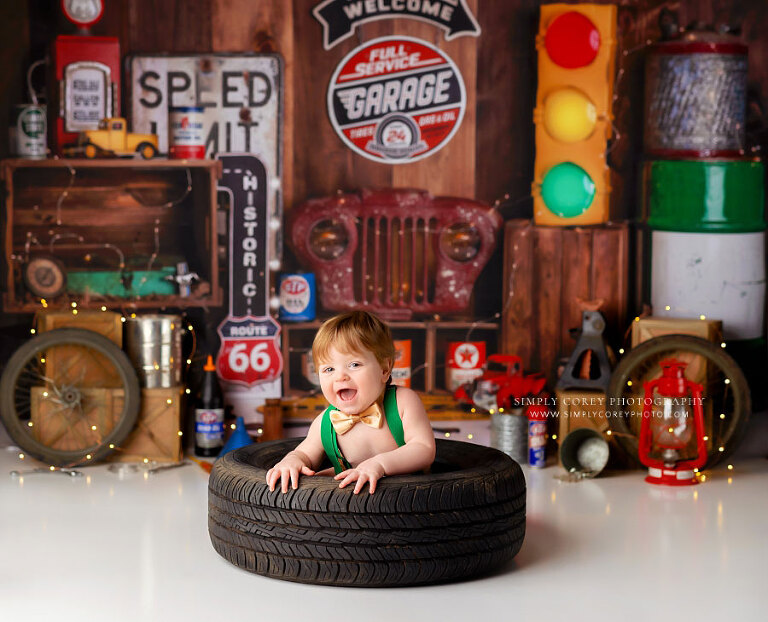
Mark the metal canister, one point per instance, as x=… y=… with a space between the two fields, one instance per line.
x=723 y=195
x=153 y=343
x=509 y=433
x=696 y=96
x=27 y=131
x=297 y=297
x=186 y=136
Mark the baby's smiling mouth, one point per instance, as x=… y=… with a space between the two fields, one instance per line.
x=346 y=394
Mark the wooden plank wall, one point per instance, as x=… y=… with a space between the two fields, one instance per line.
x=492 y=154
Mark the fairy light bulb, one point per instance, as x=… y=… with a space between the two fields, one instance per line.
x=447 y=435
x=88 y=456
x=32 y=331
x=103 y=308
x=169 y=401
x=21 y=456
x=73 y=305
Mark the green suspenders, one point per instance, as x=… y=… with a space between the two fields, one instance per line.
x=330 y=441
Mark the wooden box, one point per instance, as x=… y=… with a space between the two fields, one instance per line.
x=156 y=435
x=647 y=328
x=58 y=429
x=551 y=275
x=105 y=323
x=136 y=219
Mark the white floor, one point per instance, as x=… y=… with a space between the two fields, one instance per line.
x=135 y=547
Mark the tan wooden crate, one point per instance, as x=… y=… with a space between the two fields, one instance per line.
x=647 y=328
x=65 y=429
x=156 y=435
x=105 y=323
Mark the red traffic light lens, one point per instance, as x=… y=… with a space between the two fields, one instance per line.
x=572 y=40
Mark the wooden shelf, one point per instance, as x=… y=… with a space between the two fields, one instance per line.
x=149 y=210
x=431 y=335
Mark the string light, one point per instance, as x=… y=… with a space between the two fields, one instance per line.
x=44 y=302
x=722 y=345
x=52 y=468
x=260 y=431
x=74 y=311
x=470 y=436
x=122 y=319
x=180 y=433
x=702 y=317
x=621 y=350
x=146 y=460
x=608 y=432
x=94 y=428
x=30 y=424
x=189 y=361
x=103 y=308
x=473 y=410
x=667 y=308
x=629 y=383
x=111 y=445
x=187 y=391
x=722 y=415
x=554 y=437
x=706 y=438
x=169 y=401
x=721 y=449
x=73 y=305
x=88 y=456
x=45 y=393
x=21 y=456
x=32 y=330
x=501 y=410
x=730 y=467
x=727 y=381
x=447 y=435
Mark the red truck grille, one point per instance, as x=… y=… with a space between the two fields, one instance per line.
x=394 y=252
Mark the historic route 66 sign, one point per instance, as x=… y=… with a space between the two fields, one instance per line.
x=249 y=352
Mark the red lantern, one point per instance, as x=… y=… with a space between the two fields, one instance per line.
x=672 y=443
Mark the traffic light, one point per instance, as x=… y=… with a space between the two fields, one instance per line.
x=576 y=44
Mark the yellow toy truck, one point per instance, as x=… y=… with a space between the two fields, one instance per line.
x=113 y=139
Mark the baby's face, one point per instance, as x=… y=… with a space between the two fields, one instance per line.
x=351 y=381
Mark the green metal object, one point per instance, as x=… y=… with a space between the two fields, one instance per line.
x=125 y=284
x=697 y=196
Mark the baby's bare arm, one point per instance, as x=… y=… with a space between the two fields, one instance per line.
x=301 y=461
x=419 y=449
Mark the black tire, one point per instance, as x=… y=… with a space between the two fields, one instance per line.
x=146 y=148
x=464 y=519
x=732 y=399
x=21 y=376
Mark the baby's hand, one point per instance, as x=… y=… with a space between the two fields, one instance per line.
x=287 y=469
x=369 y=470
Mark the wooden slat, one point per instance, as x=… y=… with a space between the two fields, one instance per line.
x=547 y=275
x=451 y=170
x=577 y=280
x=610 y=273
x=245 y=25
x=517 y=317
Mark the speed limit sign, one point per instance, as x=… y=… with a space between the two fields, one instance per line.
x=249 y=352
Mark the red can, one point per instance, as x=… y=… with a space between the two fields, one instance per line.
x=186 y=138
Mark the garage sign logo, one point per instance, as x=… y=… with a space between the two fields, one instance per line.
x=396 y=99
x=340 y=17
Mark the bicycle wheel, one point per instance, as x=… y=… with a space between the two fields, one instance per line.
x=69 y=396
x=727 y=403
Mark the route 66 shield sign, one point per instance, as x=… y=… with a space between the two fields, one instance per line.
x=249 y=352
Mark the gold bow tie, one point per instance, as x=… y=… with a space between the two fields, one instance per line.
x=343 y=423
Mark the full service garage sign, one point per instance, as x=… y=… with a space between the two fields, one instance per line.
x=396 y=99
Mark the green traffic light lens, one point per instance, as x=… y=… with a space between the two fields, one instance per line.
x=567 y=190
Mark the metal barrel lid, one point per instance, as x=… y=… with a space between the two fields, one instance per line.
x=700 y=196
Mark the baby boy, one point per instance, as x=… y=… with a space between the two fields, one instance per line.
x=372 y=428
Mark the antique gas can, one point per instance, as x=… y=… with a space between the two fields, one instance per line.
x=186 y=138
x=27 y=131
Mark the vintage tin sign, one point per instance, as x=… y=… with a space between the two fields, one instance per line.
x=464 y=362
x=240 y=94
x=250 y=351
x=340 y=18
x=396 y=100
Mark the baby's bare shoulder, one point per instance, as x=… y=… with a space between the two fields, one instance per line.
x=409 y=402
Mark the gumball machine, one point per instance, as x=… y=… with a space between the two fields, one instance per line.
x=671 y=442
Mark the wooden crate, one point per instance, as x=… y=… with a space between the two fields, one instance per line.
x=156 y=435
x=647 y=328
x=551 y=275
x=95 y=215
x=105 y=323
x=58 y=429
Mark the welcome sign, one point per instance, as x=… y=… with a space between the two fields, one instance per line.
x=340 y=18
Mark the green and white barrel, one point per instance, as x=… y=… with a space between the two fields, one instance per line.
x=708 y=243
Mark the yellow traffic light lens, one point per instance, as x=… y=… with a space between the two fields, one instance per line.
x=567 y=190
x=569 y=115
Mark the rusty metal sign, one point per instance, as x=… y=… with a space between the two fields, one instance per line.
x=240 y=94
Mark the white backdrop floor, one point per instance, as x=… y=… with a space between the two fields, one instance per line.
x=105 y=547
